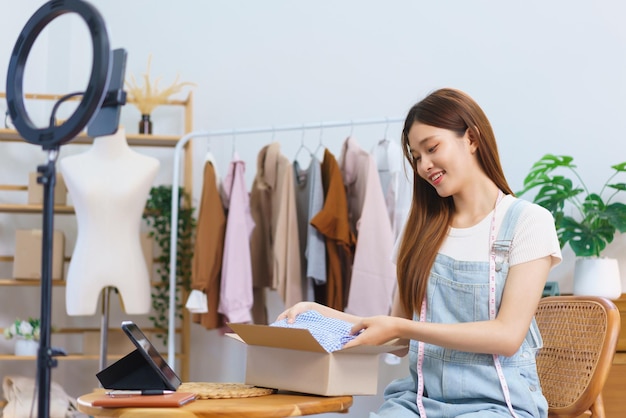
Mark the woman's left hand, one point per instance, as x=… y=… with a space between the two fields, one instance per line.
x=375 y=330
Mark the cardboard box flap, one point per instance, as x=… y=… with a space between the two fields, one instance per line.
x=277 y=337
x=393 y=345
x=371 y=349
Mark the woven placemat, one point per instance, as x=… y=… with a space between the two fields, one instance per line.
x=210 y=390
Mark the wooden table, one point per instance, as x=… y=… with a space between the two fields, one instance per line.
x=269 y=406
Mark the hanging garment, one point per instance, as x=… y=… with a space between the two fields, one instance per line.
x=373 y=272
x=236 y=286
x=274 y=242
x=396 y=180
x=332 y=222
x=209 y=248
x=309 y=195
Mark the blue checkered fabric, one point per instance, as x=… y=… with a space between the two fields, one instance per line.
x=330 y=333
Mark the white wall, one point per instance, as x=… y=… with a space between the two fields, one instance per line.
x=550 y=75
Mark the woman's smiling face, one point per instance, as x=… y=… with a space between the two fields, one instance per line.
x=442 y=157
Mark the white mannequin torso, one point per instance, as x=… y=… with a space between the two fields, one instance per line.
x=109 y=185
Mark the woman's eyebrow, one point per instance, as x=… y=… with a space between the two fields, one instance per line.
x=422 y=141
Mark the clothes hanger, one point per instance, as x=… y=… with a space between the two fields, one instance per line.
x=302 y=146
x=385 y=140
x=234 y=143
x=209 y=155
x=320 y=145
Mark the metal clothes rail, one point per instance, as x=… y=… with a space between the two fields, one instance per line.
x=171 y=346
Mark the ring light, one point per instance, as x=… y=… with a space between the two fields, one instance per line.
x=53 y=136
x=88 y=112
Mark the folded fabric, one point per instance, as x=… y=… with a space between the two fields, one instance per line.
x=330 y=333
x=197 y=302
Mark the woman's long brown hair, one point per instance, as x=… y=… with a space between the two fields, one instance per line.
x=430 y=216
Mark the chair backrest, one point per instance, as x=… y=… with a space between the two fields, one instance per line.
x=580 y=337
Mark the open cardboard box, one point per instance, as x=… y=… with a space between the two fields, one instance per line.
x=292 y=359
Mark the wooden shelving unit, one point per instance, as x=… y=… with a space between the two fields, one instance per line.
x=135 y=140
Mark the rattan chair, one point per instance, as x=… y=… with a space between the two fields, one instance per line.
x=580 y=337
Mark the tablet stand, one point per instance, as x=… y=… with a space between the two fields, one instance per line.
x=131 y=372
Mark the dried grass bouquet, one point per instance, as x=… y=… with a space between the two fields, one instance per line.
x=148 y=96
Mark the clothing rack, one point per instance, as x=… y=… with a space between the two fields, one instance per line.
x=171 y=346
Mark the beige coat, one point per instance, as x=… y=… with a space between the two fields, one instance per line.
x=274 y=243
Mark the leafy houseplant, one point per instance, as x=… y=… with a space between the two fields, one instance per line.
x=596 y=219
x=158 y=216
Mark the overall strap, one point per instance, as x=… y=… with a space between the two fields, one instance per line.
x=507 y=229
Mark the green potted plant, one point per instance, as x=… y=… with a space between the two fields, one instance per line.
x=158 y=215
x=585 y=220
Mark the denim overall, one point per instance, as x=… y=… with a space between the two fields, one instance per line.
x=462 y=384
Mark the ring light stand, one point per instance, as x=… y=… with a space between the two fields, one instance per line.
x=98 y=109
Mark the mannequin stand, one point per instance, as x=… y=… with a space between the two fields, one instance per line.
x=104 y=326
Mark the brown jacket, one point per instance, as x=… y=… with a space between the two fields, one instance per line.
x=209 y=246
x=332 y=222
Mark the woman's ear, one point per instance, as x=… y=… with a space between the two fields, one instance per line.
x=472 y=136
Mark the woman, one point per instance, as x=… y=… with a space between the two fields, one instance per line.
x=471 y=266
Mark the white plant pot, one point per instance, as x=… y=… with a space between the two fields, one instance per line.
x=26 y=347
x=597 y=277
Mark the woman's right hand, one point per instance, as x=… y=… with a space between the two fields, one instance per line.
x=296 y=310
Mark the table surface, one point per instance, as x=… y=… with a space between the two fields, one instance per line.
x=276 y=405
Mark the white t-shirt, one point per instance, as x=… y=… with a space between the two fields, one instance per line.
x=534 y=236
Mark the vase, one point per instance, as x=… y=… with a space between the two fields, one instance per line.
x=145 y=125
x=26 y=347
x=597 y=277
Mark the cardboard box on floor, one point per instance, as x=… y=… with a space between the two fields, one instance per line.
x=35 y=190
x=292 y=359
x=27 y=258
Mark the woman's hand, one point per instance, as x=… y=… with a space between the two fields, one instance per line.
x=376 y=330
x=296 y=310
x=300 y=307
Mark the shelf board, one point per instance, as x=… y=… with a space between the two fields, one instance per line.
x=11 y=135
x=33 y=209
x=71 y=357
x=28 y=282
x=13 y=187
x=59 y=331
x=24 y=208
x=37 y=282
